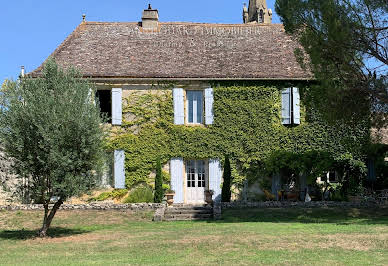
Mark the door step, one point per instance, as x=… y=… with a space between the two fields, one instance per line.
x=184 y=212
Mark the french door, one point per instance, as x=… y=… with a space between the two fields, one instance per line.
x=196 y=181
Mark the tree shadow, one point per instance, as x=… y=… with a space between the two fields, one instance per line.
x=339 y=216
x=54 y=232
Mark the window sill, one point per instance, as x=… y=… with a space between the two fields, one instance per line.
x=194 y=125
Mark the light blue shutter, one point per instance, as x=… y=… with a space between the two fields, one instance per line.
x=176 y=171
x=296 y=105
x=276 y=185
x=117 y=110
x=286 y=106
x=215 y=176
x=302 y=185
x=209 y=106
x=179 y=110
x=119 y=168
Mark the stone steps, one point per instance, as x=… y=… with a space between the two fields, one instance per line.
x=188 y=213
x=188 y=217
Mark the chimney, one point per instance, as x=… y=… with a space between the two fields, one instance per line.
x=150 y=18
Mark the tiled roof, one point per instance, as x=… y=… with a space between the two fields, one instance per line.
x=180 y=50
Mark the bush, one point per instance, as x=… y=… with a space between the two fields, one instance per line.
x=115 y=194
x=140 y=195
x=158 y=197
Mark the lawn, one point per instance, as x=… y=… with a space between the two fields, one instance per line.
x=244 y=237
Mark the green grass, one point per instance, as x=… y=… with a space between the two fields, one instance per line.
x=244 y=237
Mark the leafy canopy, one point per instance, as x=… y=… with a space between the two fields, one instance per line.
x=50 y=128
x=347 y=44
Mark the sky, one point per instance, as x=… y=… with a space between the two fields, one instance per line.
x=31 y=30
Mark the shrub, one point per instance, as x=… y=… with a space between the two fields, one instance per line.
x=226 y=193
x=158 y=197
x=140 y=195
x=115 y=194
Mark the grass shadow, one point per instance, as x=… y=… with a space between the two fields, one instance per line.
x=340 y=216
x=31 y=234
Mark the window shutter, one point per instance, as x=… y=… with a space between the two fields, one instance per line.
x=117 y=110
x=176 y=171
x=302 y=185
x=209 y=106
x=276 y=185
x=296 y=105
x=286 y=106
x=179 y=110
x=215 y=177
x=119 y=168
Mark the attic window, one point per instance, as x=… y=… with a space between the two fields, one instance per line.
x=104 y=100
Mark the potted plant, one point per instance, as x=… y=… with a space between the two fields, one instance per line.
x=170 y=197
x=209 y=196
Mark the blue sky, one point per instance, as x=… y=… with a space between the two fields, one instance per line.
x=30 y=30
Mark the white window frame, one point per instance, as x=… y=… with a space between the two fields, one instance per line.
x=197 y=173
x=194 y=109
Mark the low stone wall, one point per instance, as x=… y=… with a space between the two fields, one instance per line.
x=287 y=204
x=91 y=206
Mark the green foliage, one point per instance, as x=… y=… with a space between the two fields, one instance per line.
x=353 y=172
x=51 y=129
x=310 y=163
x=247 y=126
x=344 y=41
x=115 y=194
x=159 y=193
x=226 y=193
x=141 y=194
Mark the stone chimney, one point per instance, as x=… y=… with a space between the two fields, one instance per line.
x=150 y=18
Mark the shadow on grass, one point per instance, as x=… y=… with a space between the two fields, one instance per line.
x=340 y=216
x=31 y=234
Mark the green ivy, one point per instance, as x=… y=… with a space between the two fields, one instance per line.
x=247 y=127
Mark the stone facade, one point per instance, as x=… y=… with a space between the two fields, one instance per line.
x=8 y=185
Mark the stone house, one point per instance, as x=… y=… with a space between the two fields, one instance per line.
x=123 y=58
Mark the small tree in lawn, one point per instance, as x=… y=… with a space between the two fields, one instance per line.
x=159 y=194
x=226 y=193
x=50 y=128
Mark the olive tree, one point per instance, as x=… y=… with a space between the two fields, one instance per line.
x=50 y=128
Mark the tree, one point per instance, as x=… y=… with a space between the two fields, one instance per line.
x=226 y=192
x=159 y=194
x=50 y=128
x=347 y=45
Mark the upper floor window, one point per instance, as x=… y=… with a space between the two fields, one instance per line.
x=104 y=100
x=110 y=103
x=290 y=106
x=194 y=107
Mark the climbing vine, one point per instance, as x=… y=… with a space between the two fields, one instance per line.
x=247 y=127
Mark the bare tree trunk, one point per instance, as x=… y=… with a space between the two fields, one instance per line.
x=48 y=218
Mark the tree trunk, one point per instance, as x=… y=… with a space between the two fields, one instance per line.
x=48 y=218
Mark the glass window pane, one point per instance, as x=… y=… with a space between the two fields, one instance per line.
x=190 y=99
x=199 y=106
x=194 y=106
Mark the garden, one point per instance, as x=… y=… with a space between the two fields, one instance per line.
x=294 y=236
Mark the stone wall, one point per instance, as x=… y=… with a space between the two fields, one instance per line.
x=288 y=204
x=8 y=181
x=91 y=206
